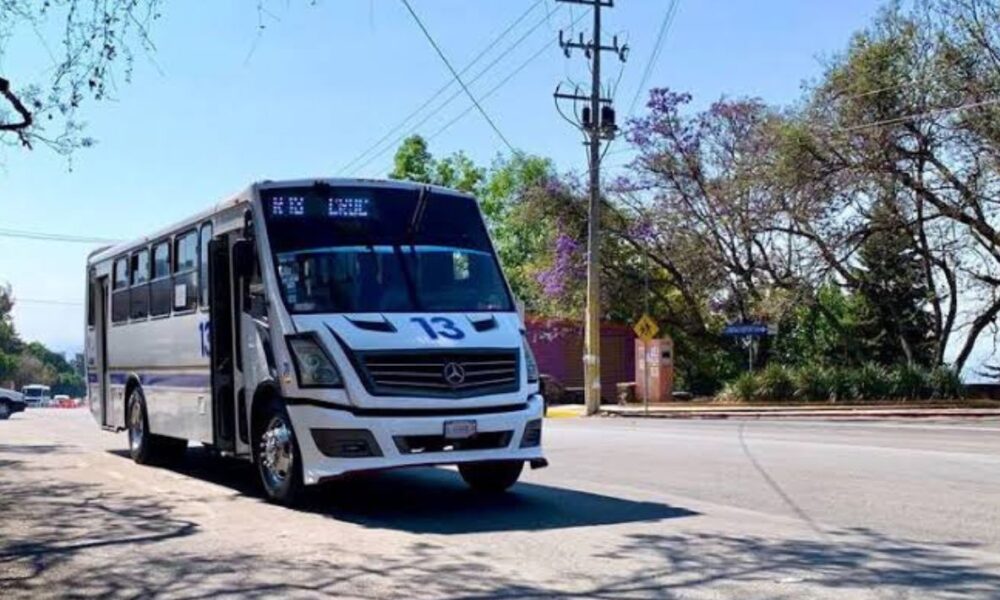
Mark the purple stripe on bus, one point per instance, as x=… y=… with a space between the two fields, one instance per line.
x=177 y=380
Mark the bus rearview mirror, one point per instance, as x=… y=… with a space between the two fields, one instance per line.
x=243 y=259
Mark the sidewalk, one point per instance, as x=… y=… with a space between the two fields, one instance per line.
x=815 y=411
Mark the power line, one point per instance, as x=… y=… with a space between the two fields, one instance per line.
x=504 y=81
x=54 y=237
x=668 y=19
x=46 y=301
x=395 y=143
x=492 y=90
x=457 y=77
x=904 y=118
x=443 y=88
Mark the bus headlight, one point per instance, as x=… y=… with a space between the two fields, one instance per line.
x=529 y=362
x=312 y=365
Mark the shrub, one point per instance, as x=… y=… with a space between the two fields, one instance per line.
x=743 y=389
x=775 y=383
x=810 y=382
x=910 y=382
x=840 y=384
x=871 y=382
x=945 y=383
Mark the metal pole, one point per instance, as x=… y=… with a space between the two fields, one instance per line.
x=645 y=345
x=592 y=350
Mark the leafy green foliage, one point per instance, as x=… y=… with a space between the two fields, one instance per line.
x=868 y=383
x=23 y=363
x=774 y=383
x=872 y=381
x=744 y=388
x=811 y=383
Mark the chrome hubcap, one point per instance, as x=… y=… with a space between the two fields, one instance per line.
x=3 y=409
x=276 y=453
x=136 y=430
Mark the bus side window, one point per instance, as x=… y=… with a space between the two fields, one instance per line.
x=161 y=288
x=120 y=296
x=91 y=290
x=185 y=271
x=206 y=237
x=139 y=300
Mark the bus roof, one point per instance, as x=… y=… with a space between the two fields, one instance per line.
x=110 y=251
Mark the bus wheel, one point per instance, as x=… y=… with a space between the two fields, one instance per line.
x=145 y=447
x=276 y=451
x=491 y=477
x=138 y=428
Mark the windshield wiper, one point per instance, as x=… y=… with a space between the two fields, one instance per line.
x=418 y=216
x=411 y=286
x=408 y=240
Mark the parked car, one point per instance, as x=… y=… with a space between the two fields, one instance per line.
x=10 y=402
x=63 y=401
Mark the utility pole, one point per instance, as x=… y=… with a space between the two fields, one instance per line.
x=597 y=122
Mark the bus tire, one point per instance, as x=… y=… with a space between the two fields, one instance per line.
x=492 y=477
x=276 y=454
x=139 y=446
x=144 y=447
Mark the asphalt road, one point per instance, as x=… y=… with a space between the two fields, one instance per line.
x=628 y=509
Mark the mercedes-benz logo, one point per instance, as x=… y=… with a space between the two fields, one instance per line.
x=454 y=373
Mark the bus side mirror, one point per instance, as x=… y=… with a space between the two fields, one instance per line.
x=244 y=263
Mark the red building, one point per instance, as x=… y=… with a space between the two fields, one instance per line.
x=558 y=348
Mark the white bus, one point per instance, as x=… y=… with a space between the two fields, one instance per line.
x=315 y=328
x=36 y=394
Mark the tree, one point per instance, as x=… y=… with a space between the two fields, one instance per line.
x=23 y=363
x=97 y=40
x=414 y=162
x=910 y=103
x=891 y=280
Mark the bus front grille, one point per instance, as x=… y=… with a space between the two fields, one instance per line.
x=453 y=374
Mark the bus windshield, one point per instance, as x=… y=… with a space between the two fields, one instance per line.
x=35 y=391
x=367 y=249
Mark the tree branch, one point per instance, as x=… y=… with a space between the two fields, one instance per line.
x=20 y=128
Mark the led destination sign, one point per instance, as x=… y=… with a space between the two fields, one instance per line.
x=322 y=207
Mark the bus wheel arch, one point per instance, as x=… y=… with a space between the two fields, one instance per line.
x=274 y=447
x=131 y=383
x=260 y=402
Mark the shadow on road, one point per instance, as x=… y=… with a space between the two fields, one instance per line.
x=45 y=522
x=848 y=561
x=433 y=500
x=65 y=539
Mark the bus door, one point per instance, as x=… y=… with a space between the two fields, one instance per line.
x=99 y=389
x=251 y=334
x=221 y=312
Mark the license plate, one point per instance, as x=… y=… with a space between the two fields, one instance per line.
x=459 y=430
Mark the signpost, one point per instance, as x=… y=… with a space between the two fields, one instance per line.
x=645 y=329
x=749 y=332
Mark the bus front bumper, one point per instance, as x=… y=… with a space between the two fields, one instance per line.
x=335 y=441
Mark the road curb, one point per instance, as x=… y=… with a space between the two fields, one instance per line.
x=564 y=412
x=814 y=415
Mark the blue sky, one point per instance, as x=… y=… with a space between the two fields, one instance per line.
x=218 y=106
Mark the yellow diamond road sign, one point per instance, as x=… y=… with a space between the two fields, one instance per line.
x=646 y=328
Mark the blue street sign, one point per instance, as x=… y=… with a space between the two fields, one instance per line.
x=745 y=330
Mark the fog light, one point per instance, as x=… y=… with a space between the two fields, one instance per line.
x=346 y=443
x=532 y=436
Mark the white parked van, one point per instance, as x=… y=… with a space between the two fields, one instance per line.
x=37 y=395
x=317 y=327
